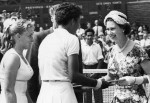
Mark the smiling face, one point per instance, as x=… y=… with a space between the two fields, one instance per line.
x=114 y=31
x=89 y=37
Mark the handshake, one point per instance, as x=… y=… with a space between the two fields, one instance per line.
x=101 y=83
x=124 y=81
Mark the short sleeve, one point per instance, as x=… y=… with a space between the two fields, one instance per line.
x=72 y=45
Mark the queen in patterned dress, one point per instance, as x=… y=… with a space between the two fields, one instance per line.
x=128 y=63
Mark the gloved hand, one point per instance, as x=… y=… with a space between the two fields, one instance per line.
x=127 y=80
x=101 y=83
x=105 y=84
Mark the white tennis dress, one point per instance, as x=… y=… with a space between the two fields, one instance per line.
x=25 y=72
x=53 y=65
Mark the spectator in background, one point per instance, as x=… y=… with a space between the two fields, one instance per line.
x=140 y=29
x=92 y=58
x=32 y=55
x=145 y=42
x=145 y=28
x=127 y=62
x=91 y=51
x=1 y=19
x=97 y=29
x=4 y=13
x=8 y=15
x=134 y=27
x=20 y=15
x=101 y=40
x=80 y=31
x=88 y=25
x=40 y=29
x=37 y=26
x=133 y=37
x=140 y=33
x=46 y=26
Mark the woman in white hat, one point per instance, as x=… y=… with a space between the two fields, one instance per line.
x=128 y=63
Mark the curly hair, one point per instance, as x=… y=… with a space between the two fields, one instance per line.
x=17 y=27
x=66 y=12
x=89 y=30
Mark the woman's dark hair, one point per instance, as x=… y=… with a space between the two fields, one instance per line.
x=126 y=26
x=89 y=30
x=66 y=12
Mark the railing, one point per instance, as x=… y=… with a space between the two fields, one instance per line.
x=94 y=70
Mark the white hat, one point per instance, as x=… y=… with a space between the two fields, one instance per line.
x=117 y=16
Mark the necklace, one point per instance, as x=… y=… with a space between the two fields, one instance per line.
x=121 y=49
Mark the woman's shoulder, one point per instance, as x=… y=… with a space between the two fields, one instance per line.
x=10 y=51
x=11 y=55
x=11 y=60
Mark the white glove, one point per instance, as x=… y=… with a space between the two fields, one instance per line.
x=129 y=80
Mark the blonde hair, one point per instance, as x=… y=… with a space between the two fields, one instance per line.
x=52 y=9
x=10 y=29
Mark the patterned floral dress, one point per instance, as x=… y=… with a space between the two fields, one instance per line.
x=127 y=63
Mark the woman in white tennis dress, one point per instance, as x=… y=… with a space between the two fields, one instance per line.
x=58 y=59
x=15 y=70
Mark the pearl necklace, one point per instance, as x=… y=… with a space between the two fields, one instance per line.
x=121 y=49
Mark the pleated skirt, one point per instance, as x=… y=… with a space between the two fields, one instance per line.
x=56 y=92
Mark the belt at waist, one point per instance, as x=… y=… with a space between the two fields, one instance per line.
x=55 y=80
x=94 y=66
